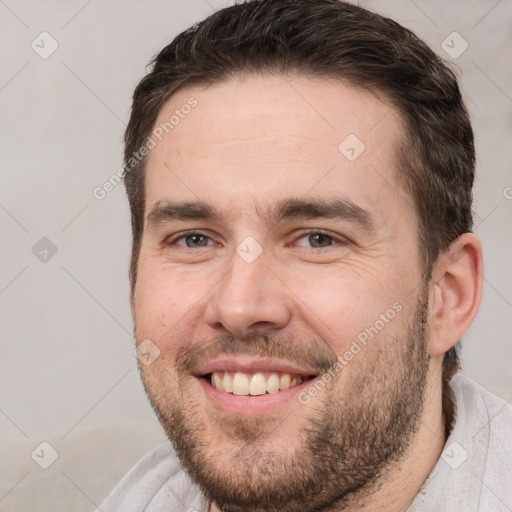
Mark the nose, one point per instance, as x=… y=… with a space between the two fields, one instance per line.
x=250 y=298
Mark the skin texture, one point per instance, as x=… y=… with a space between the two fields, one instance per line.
x=368 y=438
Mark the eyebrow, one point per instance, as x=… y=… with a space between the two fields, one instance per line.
x=291 y=208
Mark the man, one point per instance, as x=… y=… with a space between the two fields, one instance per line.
x=300 y=179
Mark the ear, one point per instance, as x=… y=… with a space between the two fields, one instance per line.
x=456 y=292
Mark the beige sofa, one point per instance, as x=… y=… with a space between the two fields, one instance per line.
x=88 y=464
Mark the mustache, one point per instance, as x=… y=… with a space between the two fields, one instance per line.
x=302 y=352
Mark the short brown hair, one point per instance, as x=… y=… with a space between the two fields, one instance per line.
x=330 y=39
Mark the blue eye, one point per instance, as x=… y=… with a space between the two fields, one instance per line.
x=313 y=239
x=320 y=240
x=317 y=240
x=192 y=240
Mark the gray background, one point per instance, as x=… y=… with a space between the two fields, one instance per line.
x=66 y=361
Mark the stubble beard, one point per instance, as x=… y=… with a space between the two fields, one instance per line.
x=340 y=454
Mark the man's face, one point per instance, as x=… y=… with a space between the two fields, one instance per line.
x=276 y=251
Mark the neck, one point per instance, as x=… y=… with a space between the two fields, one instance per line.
x=401 y=482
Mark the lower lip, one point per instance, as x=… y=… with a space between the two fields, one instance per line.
x=249 y=404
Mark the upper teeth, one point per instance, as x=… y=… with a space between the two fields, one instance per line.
x=253 y=384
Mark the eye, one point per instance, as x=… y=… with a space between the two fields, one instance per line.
x=318 y=240
x=191 y=240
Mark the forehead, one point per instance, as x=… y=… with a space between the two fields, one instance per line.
x=257 y=139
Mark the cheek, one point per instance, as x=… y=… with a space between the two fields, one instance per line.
x=342 y=307
x=154 y=305
x=162 y=302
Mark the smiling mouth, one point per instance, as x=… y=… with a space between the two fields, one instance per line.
x=254 y=384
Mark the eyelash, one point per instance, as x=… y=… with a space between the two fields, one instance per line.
x=335 y=240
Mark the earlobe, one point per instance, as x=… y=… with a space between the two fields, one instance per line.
x=456 y=294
